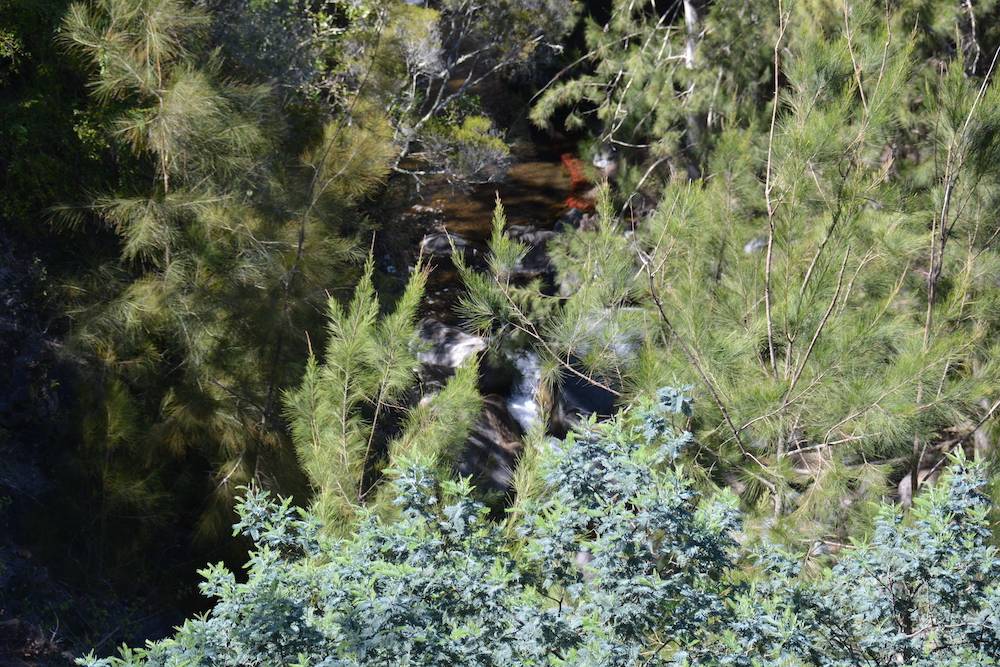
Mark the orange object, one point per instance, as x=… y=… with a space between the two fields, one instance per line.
x=578 y=182
x=575 y=169
x=579 y=203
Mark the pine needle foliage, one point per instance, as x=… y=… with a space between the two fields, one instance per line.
x=830 y=314
x=424 y=63
x=233 y=226
x=820 y=284
x=342 y=415
x=657 y=76
x=589 y=332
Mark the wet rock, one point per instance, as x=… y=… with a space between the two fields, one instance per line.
x=535 y=264
x=419 y=218
x=491 y=452
x=531 y=235
x=446 y=346
x=569 y=220
x=576 y=398
x=422 y=217
x=443 y=244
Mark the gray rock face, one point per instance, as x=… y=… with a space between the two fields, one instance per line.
x=444 y=244
x=446 y=346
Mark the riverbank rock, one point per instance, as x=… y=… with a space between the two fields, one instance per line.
x=576 y=398
x=531 y=235
x=536 y=262
x=568 y=220
x=446 y=346
x=444 y=244
x=491 y=452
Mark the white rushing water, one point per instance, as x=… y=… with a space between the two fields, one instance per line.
x=523 y=402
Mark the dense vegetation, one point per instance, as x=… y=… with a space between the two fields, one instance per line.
x=229 y=276
x=615 y=561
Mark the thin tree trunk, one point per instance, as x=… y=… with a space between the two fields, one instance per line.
x=694 y=120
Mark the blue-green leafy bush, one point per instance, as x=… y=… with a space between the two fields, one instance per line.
x=616 y=560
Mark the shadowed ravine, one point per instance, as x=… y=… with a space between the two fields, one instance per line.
x=535 y=196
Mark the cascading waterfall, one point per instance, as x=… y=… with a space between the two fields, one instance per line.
x=523 y=401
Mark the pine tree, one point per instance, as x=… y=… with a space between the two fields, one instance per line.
x=350 y=418
x=228 y=245
x=658 y=79
x=424 y=63
x=798 y=284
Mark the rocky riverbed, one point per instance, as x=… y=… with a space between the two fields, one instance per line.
x=535 y=195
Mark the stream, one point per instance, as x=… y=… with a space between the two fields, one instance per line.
x=537 y=195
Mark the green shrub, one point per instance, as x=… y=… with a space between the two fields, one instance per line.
x=615 y=561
